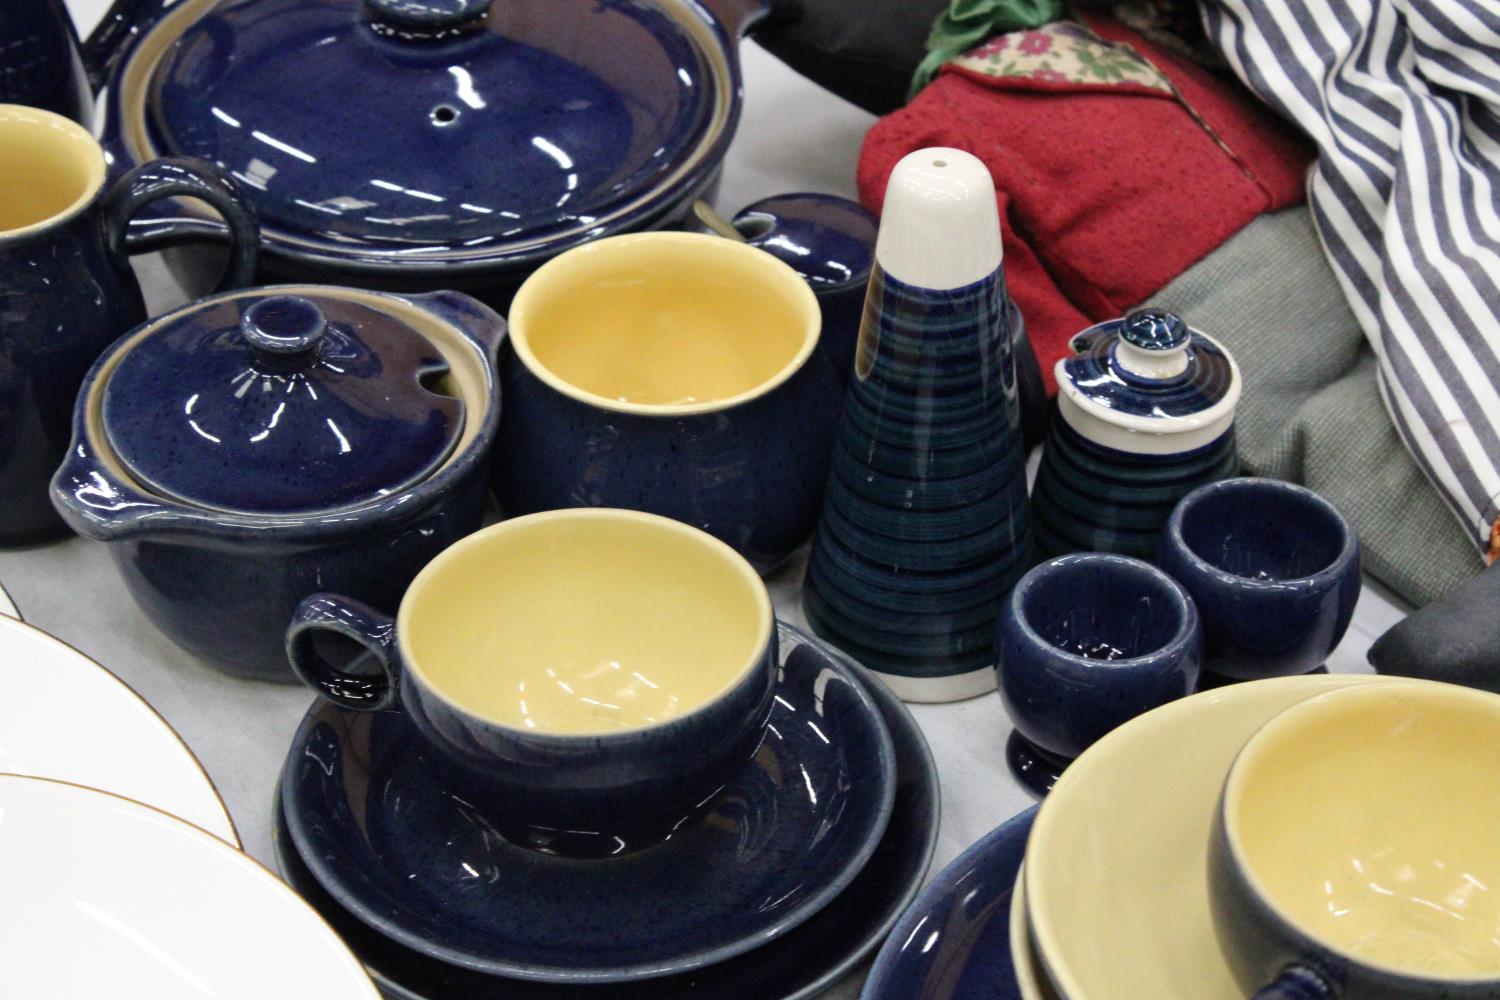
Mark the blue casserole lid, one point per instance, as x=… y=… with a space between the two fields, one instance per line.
x=276 y=403
x=440 y=128
x=1147 y=374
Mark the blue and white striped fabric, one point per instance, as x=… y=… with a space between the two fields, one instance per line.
x=1402 y=98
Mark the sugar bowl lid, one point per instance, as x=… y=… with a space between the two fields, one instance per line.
x=277 y=403
x=1148 y=375
x=416 y=130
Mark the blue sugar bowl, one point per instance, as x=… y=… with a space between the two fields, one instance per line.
x=1145 y=414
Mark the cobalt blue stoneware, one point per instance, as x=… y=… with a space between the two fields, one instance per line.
x=67 y=290
x=444 y=144
x=249 y=456
x=799 y=965
x=748 y=468
x=40 y=62
x=953 y=943
x=369 y=814
x=924 y=525
x=1273 y=569
x=1145 y=414
x=1084 y=643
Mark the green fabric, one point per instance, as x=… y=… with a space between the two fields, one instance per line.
x=966 y=23
x=1311 y=410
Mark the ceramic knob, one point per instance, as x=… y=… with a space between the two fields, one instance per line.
x=429 y=15
x=1153 y=344
x=284 y=327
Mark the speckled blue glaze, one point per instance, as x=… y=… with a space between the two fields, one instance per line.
x=830 y=242
x=1274 y=571
x=66 y=292
x=953 y=943
x=1097 y=495
x=382 y=174
x=280 y=405
x=798 y=965
x=224 y=584
x=751 y=474
x=925 y=525
x=1091 y=498
x=371 y=819
x=580 y=795
x=40 y=62
x=1087 y=642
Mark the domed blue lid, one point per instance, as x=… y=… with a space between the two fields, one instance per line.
x=437 y=127
x=1150 y=365
x=828 y=240
x=280 y=404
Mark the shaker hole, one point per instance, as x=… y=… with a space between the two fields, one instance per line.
x=444 y=114
x=939 y=163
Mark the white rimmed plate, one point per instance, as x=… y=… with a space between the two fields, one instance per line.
x=105 y=897
x=64 y=716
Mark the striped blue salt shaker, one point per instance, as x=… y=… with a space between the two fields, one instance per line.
x=925 y=520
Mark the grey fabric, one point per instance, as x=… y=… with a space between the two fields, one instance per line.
x=1311 y=410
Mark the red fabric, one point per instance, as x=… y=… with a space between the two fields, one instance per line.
x=1106 y=193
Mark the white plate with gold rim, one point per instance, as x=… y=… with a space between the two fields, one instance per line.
x=64 y=716
x=105 y=897
x=1117 y=864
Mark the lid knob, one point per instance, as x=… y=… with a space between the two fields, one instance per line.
x=427 y=15
x=1153 y=344
x=283 y=327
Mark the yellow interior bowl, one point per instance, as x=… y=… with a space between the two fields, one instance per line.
x=1117 y=862
x=584 y=621
x=1369 y=819
x=664 y=323
x=1034 y=985
x=50 y=168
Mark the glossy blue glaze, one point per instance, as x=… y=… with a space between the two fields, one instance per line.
x=280 y=405
x=830 y=242
x=953 y=943
x=1274 y=570
x=571 y=794
x=799 y=965
x=751 y=475
x=1205 y=381
x=381 y=172
x=1091 y=498
x=224 y=584
x=371 y=818
x=925 y=524
x=66 y=292
x=40 y=62
x=1086 y=643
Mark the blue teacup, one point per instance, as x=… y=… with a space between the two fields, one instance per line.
x=597 y=676
x=1084 y=643
x=1274 y=570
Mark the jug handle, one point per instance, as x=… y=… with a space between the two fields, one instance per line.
x=124 y=19
x=1296 y=982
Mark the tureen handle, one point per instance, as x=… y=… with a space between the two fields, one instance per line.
x=365 y=682
x=427 y=15
x=184 y=176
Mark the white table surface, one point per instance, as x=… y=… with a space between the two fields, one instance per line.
x=794 y=137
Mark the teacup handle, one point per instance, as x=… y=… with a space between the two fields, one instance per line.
x=185 y=177
x=353 y=684
x=1296 y=982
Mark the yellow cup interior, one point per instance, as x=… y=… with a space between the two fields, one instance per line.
x=49 y=167
x=664 y=323
x=584 y=621
x=1368 y=818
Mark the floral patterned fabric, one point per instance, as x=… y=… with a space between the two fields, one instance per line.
x=1063 y=52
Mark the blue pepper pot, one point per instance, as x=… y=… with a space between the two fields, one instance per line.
x=1145 y=413
x=255 y=447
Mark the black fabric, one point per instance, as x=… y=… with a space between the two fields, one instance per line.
x=862 y=50
x=1455 y=638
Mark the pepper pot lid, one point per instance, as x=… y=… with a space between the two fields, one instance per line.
x=1148 y=383
x=276 y=403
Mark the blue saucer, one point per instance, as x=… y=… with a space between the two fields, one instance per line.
x=429 y=871
x=953 y=943
x=798 y=965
